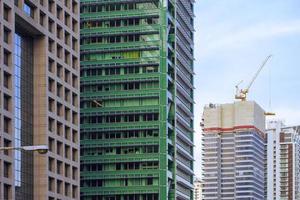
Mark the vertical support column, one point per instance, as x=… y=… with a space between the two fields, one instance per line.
x=163 y=101
x=40 y=122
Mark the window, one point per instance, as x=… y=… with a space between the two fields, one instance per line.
x=67 y=151
x=67 y=114
x=6 y=13
x=51 y=124
x=51 y=6
x=59 y=12
x=51 y=25
x=6 y=192
x=67 y=189
x=51 y=184
x=74 y=81
x=149 y=181
x=51 y=144
x=59 y=167
x=59 y=128
x=51 y=164
x=67 y=132
x=74 y=136
x=74 y=26
x=67 y=170
x=74 y=99
x=28 y=9
x=59 y=149
x=6 y=125
x=51 y=86
x=74 y=155
x=74 y=173
x=74 y=7
x=67 y=57
x=59 y=32
x=67 y=38
x=59 y=91
x=6 y=169
x=51 y=45
x=74 y=62
x=67 y=94
x=7 y=143
x=59 y=51
x=59 y=111
x=6 y=102
x=6 y=79
x=74 y=44
x=74 y=191
x=6 y=58
x=42 y=18
x=67 y=19
x=51 y=65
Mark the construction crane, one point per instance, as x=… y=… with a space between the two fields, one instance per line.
x=242 y=94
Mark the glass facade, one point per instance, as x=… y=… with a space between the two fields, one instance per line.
x=136 y=100
x=23 y=115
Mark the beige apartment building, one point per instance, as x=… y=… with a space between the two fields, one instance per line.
x=233 y=151
x=39 y=95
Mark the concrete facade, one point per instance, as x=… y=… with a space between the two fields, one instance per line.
x=198 y=189
x=283 y=161
x=233 y=151
x=39 y=95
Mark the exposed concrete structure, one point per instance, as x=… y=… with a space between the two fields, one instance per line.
x=39 y=65
x=233 y=151
x=283 y=161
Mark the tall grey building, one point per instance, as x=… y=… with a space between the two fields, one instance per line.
x=39 y=98
x=233 y=151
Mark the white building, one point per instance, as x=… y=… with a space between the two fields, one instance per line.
x=234 y=151
x=283 y=162
x=197 y=189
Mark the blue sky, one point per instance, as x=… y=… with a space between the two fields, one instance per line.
x=232 y=39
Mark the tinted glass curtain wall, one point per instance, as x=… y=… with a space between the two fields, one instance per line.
x=23 y=109
x=136 y=99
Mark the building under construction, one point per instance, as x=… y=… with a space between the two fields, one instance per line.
x=136 y=99
x=234 y=151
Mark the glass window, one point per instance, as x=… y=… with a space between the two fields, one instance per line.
x=6 y=191
x=6 y=13
x=6 y=58
x=28 y=9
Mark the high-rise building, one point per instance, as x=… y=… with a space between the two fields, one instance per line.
x=136 y=99
x=283 y=161
x=197 y=189
x=39 y=95
x=233 y=151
